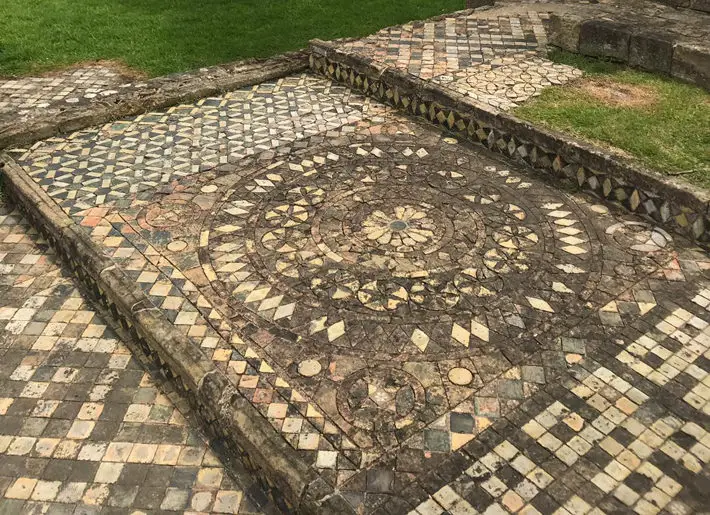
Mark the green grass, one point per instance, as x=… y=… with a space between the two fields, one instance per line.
x=671 y=135
x=164 y=36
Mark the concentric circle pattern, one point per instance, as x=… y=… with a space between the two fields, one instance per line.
x=394 y=253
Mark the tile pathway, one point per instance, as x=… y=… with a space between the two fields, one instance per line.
x=113 y=162
x=604 y=440
x=84 y=426
x=495 y=59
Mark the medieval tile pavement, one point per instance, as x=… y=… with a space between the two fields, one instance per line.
x=431 y=328
x=497 y=54
x=497 y=60
x=394 y=302
x=21 y=98
x=110 y=163
x=84 y=427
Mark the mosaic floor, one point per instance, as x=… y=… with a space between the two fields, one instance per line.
x=84 y=427
x=497 y=55
x=429 y=326
x=495 y=59
x=23 y=97
x=116 y=161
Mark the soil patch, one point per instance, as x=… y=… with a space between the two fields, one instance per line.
x=619 y=94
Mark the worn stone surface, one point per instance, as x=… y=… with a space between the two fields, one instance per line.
x=386 y=296
x=692 y=63
x=650 y=51
x=83 y=424
x=700 y=5
x=601 y=38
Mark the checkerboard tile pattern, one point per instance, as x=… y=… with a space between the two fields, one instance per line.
x=151 y=245
x=603 y=446
x=670 y=351
x=625 y=430
x=435 y=47
x=319 y=441
x=83 y=425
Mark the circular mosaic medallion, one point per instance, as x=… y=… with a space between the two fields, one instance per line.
x=169 y=214
x=380 y=399
x=398 y=253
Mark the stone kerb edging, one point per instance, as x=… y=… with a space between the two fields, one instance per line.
x=696 y=5
x=650 y=49
x=565 y=160
x=152 y=94
x=228 y=416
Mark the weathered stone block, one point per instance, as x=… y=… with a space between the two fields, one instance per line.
x=700 y=5
x=651 y=51
x=563 y=32
x=676 y=3
x=472 y=4
x=692 y=63
x=601 y=38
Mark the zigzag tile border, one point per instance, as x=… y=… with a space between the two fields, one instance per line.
x=563 y=160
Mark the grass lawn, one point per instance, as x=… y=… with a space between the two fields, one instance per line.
x=662 y=122
x=163 y=36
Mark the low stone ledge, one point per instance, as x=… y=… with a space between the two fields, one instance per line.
x=228 y=416
x=153 y=94
x=602 y=38
x=564 y=160
x=697 y=5
x=563 y=31
x=692 y=63
x=651 y=49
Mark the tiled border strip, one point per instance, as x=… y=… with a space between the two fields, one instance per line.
x=564 y=160
x=649 y=49
x=153 y=94
x=227 y=415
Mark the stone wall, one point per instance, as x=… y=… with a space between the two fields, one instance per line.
x=698 y=5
